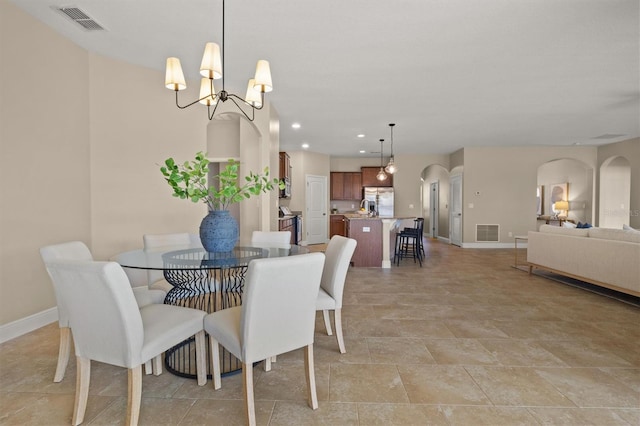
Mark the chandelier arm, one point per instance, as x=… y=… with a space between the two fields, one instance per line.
x=215 y=95
x=223 y=49
x=253 y=109
x=210 y=115
x=231 y=95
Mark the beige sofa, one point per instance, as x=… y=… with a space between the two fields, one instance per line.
x=605 y=257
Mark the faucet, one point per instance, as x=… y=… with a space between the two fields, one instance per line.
x=364 y=204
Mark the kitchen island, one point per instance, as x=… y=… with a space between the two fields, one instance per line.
x=375 y=237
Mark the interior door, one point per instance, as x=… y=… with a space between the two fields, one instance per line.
x=434 y=209
x=455 y=230
x=316 y=210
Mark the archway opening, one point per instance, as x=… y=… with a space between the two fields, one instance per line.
x=615 y=193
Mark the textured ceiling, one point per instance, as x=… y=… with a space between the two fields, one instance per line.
x=449 y=73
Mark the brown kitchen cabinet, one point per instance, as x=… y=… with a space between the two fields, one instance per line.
x=369 y=177
x=285 y=166
x=337 y=225
x=346 y=186
x=288 y=224
x=368 y=234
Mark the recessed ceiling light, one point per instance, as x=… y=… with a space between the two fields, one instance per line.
x=305 y=145
x=361 y=135
x=362 y=151
x=295 y=125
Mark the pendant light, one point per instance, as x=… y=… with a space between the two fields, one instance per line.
x=391 y=167
x=381 y=176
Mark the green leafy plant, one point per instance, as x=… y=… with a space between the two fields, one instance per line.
x=190 y=181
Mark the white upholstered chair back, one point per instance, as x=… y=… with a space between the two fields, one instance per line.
x=278 y=305
x=73 y=250
x=271 y=238
x=338 y=257
x=103 y=312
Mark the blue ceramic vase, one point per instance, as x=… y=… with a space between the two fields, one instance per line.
x=219 y=231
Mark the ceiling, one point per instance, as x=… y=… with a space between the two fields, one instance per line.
x=449 y=73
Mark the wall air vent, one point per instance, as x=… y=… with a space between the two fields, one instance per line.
x=487 y=233
x=81 y=18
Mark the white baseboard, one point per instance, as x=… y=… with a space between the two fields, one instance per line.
x=489 y=245
x=443 y=239
x=25 y=325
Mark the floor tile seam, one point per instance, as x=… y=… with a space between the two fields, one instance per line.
x=493 y=403
x=609 y=375
x=187 y=412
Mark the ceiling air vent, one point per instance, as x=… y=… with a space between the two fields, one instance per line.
x=81 y=18
x=488 y=233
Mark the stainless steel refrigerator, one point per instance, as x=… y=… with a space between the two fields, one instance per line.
x=383 y=199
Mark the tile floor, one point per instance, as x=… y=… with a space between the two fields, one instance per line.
x=465 y=340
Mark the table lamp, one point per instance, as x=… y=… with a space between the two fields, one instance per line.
x=561 y=208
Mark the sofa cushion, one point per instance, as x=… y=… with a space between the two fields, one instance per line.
x=614 y=234
x=573 y=232
x=569 y=225
x=584 y=225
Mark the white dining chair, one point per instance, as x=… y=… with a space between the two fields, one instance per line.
x=338 y=257
x=78 y=251
x=277 y=315
x=108 y=327
x=271 y=238
x=154 y=241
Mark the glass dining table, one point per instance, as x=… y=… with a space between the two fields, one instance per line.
x=201 y=280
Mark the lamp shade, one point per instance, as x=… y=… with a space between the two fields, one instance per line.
x=253 y=95
x=207 y=92
x=561 y=205
x=211 y=66
x=263 y=77
x=381 y=175
x=173 y=77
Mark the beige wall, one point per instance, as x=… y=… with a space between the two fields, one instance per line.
x=630 y=150
x=82 y=144
x=506 y=179
x=44 y=156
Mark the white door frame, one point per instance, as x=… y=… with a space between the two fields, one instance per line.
x=434 y=209
x=316 y=222
x=455 y=218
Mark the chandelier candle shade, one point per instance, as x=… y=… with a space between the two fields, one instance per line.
x=381 y=176
x=391 y=167
x=212 y=68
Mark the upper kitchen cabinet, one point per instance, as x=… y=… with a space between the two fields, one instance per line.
x=285 y=166
x=346 y=186
x=285 y=174
x=369 y=177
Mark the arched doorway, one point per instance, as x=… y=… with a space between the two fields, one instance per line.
x=231 y=136
x=614 y=193
x=569 y=180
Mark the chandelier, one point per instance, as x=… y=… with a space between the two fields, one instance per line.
x=381 y=174
x=391 y=167
x=212 y=68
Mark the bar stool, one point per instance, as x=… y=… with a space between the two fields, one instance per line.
x=408 y=243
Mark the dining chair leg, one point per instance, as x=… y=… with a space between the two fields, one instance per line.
x=83 y=377
x=311 y=376
x=337 y=317
x=148 y=369
x=327 y=322
x=247 y=376
x=135 y=395
x=157 y=365
x=63 y=353
x=215 y=362
x=201 y=358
